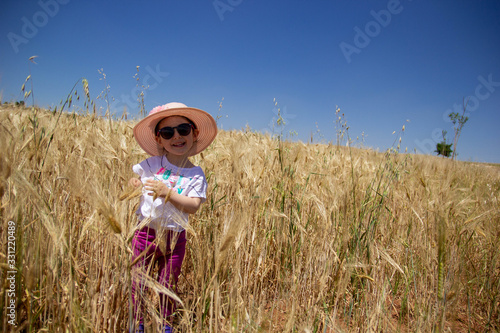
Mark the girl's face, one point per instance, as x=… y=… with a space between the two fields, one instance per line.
x=178 y=144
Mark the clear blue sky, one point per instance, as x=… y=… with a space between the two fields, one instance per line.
x=381 y=62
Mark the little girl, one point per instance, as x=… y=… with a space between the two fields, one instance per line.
x=173 y=189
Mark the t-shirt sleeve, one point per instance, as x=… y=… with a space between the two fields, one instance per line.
x=138 y=169
x=198 y=187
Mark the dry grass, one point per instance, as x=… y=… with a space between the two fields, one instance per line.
x=293 y=237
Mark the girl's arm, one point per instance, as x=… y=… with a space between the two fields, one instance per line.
x=186 y=204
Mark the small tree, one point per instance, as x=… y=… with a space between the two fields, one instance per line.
x=444 y=148
x=458 y=123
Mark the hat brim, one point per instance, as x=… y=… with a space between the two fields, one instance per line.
x=204 y=122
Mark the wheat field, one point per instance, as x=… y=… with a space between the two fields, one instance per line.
x=293 y=237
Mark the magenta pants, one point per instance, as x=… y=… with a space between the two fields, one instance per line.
x=167 y=264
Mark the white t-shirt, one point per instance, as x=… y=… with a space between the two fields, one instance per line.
x=190 y=182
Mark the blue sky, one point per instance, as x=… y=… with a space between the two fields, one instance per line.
x=381 y=62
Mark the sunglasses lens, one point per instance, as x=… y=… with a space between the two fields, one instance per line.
x=184 y=129
x=167 y=132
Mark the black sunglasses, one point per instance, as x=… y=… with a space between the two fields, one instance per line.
x=168 y=132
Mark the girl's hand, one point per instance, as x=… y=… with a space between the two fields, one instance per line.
x=135 y=182
x=157 y=187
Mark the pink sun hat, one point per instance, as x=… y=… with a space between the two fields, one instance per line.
x=144 y=131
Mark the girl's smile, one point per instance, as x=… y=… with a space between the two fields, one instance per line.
x=179 y=144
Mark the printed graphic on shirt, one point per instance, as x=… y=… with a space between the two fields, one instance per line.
x=175 y=182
